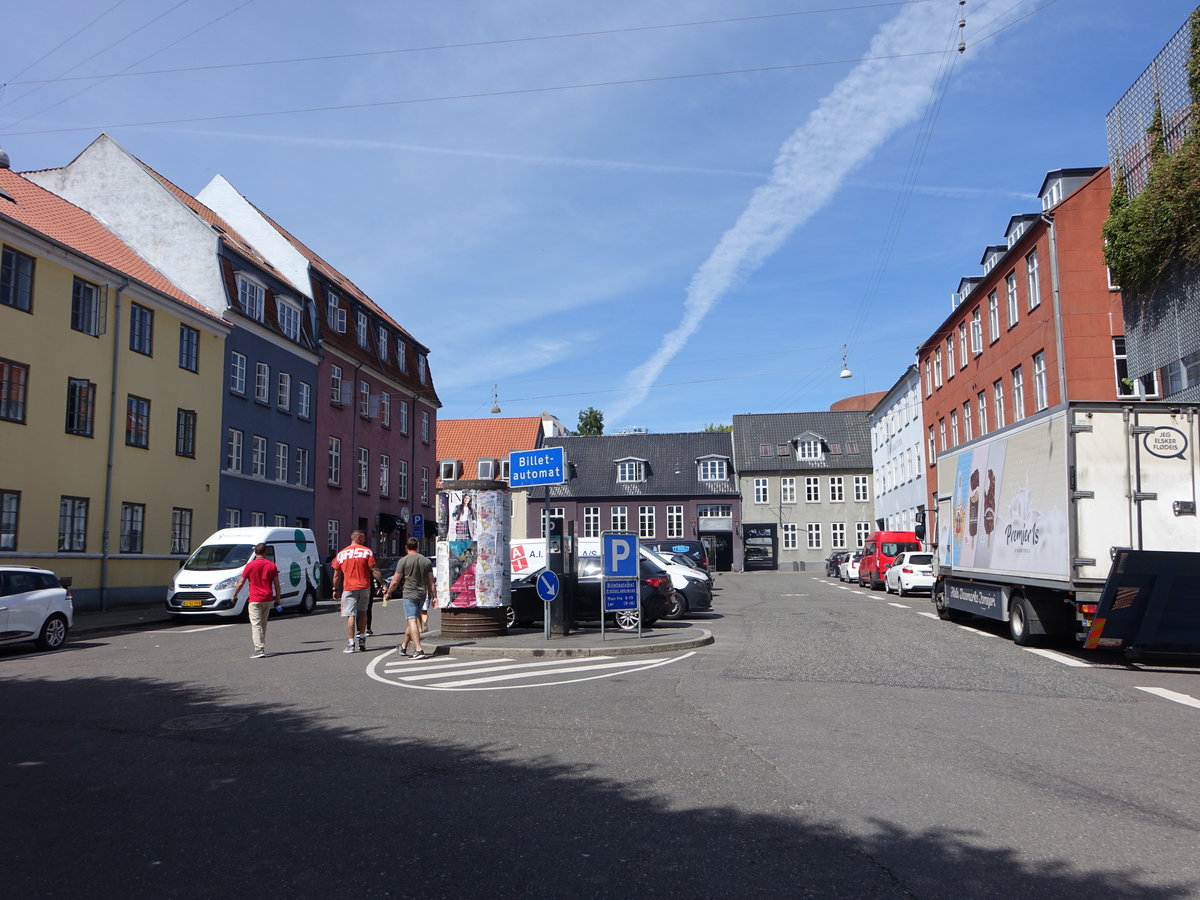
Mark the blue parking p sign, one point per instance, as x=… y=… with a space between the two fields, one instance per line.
x=418 y=526
x=620 y=554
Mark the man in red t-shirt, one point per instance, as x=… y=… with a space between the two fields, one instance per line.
x=263 y=577
x=354 y=572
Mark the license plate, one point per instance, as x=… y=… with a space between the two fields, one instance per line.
x=193 y=602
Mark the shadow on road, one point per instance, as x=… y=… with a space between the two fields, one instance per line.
x=238 y=799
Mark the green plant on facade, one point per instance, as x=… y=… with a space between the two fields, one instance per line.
x=1157 y=232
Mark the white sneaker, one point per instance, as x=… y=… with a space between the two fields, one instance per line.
x=349 y=647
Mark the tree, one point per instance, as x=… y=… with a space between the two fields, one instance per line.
x=714 y=427
x=591 y=421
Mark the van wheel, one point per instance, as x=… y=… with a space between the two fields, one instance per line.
x=308 y=602
x=1020 y=614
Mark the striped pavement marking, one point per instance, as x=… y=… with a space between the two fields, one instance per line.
x=446 y=673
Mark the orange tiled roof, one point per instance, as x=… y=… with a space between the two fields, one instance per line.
x=345 y=285
x=472 y=439
x=59 y=220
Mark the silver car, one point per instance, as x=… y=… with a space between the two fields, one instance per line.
x=34 y=606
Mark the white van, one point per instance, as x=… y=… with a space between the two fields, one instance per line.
x=204 y=585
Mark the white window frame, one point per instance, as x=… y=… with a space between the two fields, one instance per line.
x=812 y=489
x=998 y=401
x=646 y=522
x=814 y=535
x=837 y=535
x=237 y=372
x=1033 y=280
x=283 y=461
x=334 y=461
x=234 y=438
x=674 y=521
x=837 y=489
x=618 y=517
x=302 y=478
x=262 y=382
x=993 y=317
x=288 y=314
x=591 y=521
x=862 y=489
x=1010 y=298
x=630 y=470
x=976 y=331
x=258 y=456
x=251 y=297
x=762 y=491
x=1040 y=393
x=283 y=391
x=1018 y=390
x=713 y=470
x=364 y=470
x=787 y=489
x=790 y=534
x=304 y=400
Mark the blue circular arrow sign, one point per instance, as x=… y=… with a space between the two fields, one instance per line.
x=547 y=586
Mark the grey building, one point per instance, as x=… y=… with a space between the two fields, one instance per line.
x=805 y=483
x=660 y=486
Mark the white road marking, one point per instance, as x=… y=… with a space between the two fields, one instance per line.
x=193 y=630
x=1058 y=657
x=977 y=631
x=510 y=676
x=928 y=615
x=899 y=606
x=1172 y=695
x=421 y=671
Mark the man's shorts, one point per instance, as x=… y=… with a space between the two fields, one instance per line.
x=354 y=602
x=412 y=607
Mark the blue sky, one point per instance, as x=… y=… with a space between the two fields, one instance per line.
x=535 y=192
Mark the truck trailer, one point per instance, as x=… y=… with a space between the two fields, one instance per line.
x=1030 y=518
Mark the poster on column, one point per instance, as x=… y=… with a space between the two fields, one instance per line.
x=474 y=565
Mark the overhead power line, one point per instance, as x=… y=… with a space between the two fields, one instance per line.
x=461 y=45
x=472 y=96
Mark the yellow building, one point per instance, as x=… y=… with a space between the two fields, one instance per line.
x=110 y=417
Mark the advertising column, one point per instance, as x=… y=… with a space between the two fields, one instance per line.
x=472 y=559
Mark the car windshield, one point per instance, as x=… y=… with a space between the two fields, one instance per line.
x=212 y=557
x=920 y=559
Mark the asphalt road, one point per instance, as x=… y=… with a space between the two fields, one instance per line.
x=828 y=744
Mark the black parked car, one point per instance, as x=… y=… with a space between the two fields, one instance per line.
x=695 y=549
x=834 y=560
x=657 y=596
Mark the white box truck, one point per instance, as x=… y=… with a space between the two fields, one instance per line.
x=1030 y=518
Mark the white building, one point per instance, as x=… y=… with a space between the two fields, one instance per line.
x=897 y=454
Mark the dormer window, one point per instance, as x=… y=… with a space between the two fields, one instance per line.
x=250 y=297
x=383 y=344
x=362 y=330
x=630 y=470
x=421 y=368
x=335 y=314
x=1053 y=195
x=714 y=470
x=808 y=450
x=401 y=355
x=485 y=469
x=448 y=469
x=289 y=318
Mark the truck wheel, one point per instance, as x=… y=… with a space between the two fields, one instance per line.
x=939 y=603
x=1020 y=615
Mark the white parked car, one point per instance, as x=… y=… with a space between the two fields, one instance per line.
x=848 y=567
x=911 y=571
x=34 y=606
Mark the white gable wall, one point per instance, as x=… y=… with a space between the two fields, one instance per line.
x=114 y=187
x=224 y=199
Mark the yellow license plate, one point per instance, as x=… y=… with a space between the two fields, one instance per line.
x=193 y=602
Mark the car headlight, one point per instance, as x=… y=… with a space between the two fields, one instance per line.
x=225 y=583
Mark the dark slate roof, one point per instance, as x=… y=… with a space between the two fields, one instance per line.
x=671 y=468
x=847 y=437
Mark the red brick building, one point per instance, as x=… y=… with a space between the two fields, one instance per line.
x=1043 y=324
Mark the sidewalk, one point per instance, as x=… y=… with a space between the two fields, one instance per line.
x=664 y=637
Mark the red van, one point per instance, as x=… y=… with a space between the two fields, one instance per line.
x=878 y=552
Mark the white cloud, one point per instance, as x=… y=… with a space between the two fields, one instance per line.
x=878 y=97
